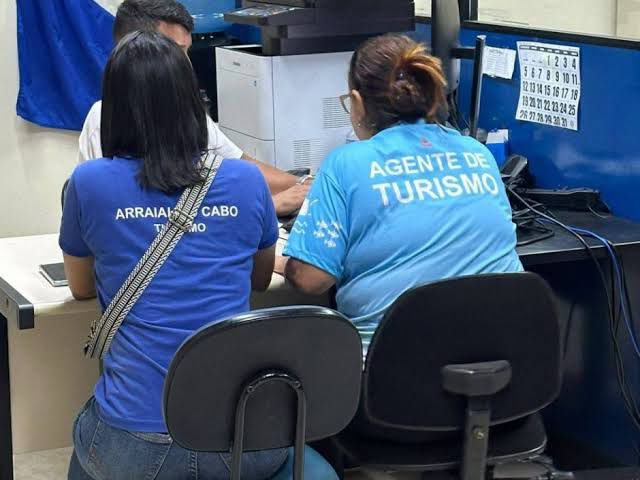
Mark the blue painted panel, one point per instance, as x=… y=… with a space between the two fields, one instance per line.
x=604 y=153
x=209 y=15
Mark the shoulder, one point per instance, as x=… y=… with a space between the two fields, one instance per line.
x=86 y=178
x=93 y=172
x=463 y=142
x=92 y=121
x=96 y=108
x=348 y=155
x=473 y=145
x=220 y=143
x=91 y=128
x=242 y=170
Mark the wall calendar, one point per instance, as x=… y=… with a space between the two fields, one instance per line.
x=550 y=87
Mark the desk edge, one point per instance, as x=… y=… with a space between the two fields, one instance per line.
x=14 y=306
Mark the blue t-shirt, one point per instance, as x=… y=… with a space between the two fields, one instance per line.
x=206 y=279
x=414 y=204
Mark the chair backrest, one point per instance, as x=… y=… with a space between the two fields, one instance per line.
x=206 y=379
x=459 y=321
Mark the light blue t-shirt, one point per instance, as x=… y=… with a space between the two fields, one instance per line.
x=207 y=278
x=414 y=204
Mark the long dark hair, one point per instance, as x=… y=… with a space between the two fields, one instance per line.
x=152 y=110
x=398 y=81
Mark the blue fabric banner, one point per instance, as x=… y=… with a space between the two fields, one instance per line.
x=63 y=46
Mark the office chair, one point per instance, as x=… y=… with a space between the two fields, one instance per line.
x=264 y=380
x=455 y=377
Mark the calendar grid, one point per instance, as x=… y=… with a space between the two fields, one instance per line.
x=550 y=85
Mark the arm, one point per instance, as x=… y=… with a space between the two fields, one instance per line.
x=307 y=278
x=318 y=243
x=288 y=195
x=277 y=180
x=263 y=262
x=81 y=276
x=78 y=258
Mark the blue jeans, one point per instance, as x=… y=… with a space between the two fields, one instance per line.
x=102 y=452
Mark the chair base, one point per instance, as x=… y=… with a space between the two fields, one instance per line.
x=506 y=444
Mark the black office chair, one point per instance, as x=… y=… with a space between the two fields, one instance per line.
x=455 y=377
x=268 y=379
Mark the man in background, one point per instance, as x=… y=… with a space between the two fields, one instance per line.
x=172 y=19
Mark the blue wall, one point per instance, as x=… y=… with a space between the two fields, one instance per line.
x=605 y=153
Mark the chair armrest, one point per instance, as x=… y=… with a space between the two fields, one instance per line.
x=476 y=379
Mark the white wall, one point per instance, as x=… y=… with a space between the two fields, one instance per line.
x=595 y=17
x=423 y=7
x=585 y=16
x=34 y=162
x=629 y=18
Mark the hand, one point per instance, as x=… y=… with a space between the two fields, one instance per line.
x=280 y=265
x=290 y=200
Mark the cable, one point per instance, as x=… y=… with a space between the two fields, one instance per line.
x=627 y=396
x=599 y=215
x=526 y=220
x=621 y=283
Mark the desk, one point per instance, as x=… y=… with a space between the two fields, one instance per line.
x=588 y=425
x=27 y=301
x=563 y=247
x=42 y=330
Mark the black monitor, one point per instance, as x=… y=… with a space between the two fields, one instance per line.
x=445 y=44
x=445 y=37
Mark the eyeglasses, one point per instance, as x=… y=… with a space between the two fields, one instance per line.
x=345 y=101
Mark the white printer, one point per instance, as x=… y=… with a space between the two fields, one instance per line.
x=283 y=110
x=279 y=101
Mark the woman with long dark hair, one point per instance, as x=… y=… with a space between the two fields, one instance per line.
x=154 y=137
x=412 y=202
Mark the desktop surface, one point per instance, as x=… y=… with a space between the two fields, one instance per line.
x=562 y=246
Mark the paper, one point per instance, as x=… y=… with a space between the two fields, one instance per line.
x=498 y=136
x=499 y=62
x=550 y=84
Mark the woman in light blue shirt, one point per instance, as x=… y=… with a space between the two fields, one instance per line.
x=412 y=202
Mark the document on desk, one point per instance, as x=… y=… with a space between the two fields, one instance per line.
x=550 y=84
x=499 y=62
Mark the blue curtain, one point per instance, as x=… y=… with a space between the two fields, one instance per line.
x=63 y=46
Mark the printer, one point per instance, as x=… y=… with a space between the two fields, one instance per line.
x=291 y=27
x=279 y=101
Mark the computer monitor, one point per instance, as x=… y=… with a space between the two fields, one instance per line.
x=445 y=37
x=445 y=44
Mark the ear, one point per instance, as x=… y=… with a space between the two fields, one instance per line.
x=359 y=117
x=357 y=105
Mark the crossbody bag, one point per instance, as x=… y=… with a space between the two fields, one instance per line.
x=181 y=220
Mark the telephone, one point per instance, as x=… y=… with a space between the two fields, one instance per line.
x=515 y=170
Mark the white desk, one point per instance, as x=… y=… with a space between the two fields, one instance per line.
x=44 y=377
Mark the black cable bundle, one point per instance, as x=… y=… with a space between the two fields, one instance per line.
x=525 y=214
